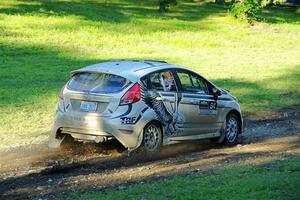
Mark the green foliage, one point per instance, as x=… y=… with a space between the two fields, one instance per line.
x=246 y=9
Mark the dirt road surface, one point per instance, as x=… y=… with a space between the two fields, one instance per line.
x=35 y=171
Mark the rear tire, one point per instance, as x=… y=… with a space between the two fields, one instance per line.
x=152 y=140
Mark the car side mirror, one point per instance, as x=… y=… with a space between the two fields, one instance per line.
x=216 y=92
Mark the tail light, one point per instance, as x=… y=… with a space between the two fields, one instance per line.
x=61 y=94
x=61 y=104
x=132 y=95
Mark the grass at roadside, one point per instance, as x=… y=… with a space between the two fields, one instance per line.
x=275 y=180
x=42 y=40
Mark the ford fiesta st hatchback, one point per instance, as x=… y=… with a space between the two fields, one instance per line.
x=144 y=104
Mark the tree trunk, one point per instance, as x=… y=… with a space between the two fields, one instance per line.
x=220 y=1
x=162 y=7
x=174 y=2
x=164 y=4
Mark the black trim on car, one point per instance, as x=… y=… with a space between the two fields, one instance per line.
x=126 y=113
x=167 y=94
x=144 y=110
x=206 y=97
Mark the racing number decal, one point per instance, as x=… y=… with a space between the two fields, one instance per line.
x=208 y=105
x=212 y=105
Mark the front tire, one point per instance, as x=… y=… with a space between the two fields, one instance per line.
x=230 y=131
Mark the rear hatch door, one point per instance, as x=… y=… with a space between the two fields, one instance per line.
x=94 y=92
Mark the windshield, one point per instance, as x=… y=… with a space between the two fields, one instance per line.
x=97 y=82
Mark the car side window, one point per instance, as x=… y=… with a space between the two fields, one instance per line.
x=162 y=81
x=192 y=83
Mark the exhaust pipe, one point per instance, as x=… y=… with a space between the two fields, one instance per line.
x=101 y=139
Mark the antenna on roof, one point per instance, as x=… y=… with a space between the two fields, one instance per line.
x=161 y=61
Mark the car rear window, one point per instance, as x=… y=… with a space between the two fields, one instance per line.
x=97 y=82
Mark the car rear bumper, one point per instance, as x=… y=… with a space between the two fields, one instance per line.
x=88 y=126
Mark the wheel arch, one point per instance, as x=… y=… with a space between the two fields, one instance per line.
x=239 y=115
x=160 y=125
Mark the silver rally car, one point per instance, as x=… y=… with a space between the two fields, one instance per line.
x=144 y=104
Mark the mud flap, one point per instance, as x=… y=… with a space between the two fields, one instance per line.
x=222 y=136
x=139 y=142
x=140 y=139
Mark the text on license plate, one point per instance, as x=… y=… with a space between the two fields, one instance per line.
x=88 y=106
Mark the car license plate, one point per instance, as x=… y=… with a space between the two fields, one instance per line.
x=87 y=106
